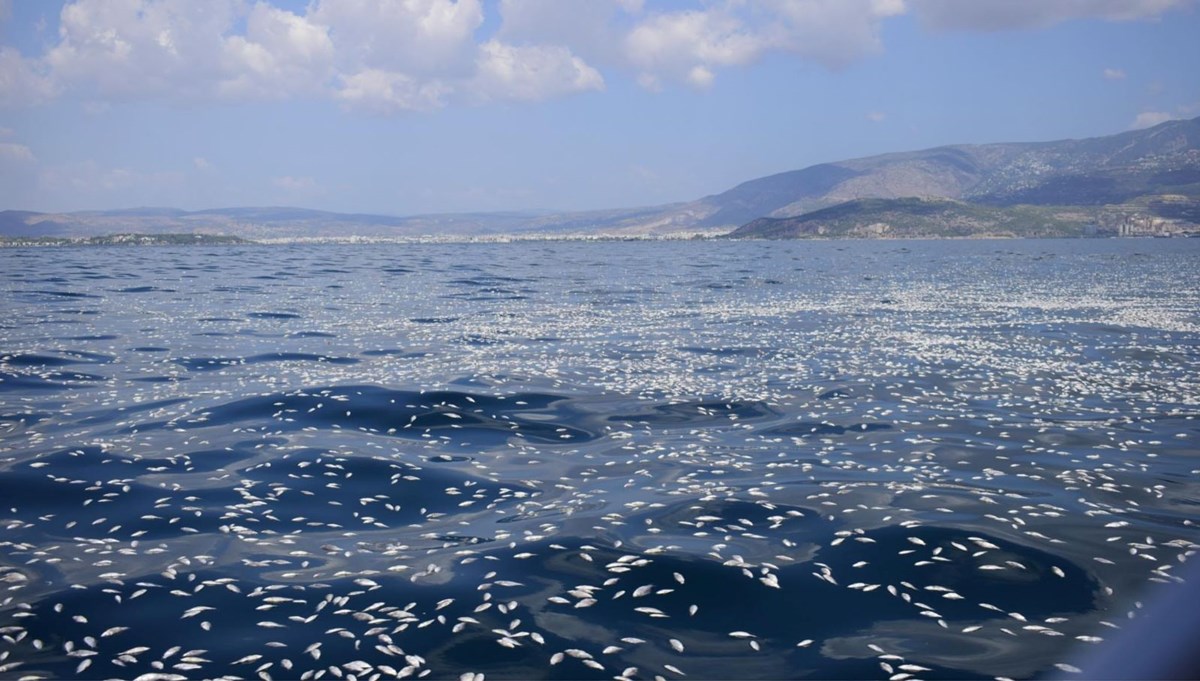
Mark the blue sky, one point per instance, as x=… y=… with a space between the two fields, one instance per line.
x=417 y=106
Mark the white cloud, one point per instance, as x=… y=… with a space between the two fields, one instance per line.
x=431 y=58
x=393 y=56
x=135 y=48
x=180 y=49
x=387 y=92
x=999 y=15
x=672 y=45
x=690 y=45
x=1149 y=119
x=377 y=56
x=1114 y=74
x=832 y=32
x=589 y=28
x=419 y=38
x=202 y=164
x=876 y=116
x=22 y=81
x=532 y=73
x=701 y=77
x=281 y=54
x=16 y=152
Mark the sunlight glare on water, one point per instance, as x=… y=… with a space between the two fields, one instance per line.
x=948 y=459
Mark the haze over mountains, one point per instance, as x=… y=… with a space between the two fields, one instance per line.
x=1149 y=177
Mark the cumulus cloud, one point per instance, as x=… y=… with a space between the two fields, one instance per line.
x=701 y=77
x=420 y=55
x=135 y=47
x=1149 y=119
x=832 y=32
x=23 y=81
x=532 y=72
x=690 y=45
x=592 y=29
x=1000 y=15
x=281 y=54
x=419 y=38
x=377 y=56
x=388 y=92
x=673 y=44
x=876 y=116
x=1114 y=74
x=187 y=49
x=393 y=56
x=179 y=49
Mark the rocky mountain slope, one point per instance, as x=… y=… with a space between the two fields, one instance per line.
x=1141 y=169
x=1164 y=159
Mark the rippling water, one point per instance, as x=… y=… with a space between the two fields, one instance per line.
x=584 y=460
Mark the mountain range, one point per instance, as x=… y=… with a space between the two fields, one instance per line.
x=1132 y=182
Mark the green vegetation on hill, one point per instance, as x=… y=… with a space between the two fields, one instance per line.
x=917 y=218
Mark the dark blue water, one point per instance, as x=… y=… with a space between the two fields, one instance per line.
x=585 y=460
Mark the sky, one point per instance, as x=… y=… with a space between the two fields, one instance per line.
x=407 y=107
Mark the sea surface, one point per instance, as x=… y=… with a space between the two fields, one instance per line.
x=835 y=459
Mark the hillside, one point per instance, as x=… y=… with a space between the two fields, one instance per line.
x=1115 y=169
x=921 y=218
x=1152 y=173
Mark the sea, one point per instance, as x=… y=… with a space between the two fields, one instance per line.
x=593 y=460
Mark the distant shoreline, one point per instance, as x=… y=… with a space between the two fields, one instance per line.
x=143 y=240
x=138 y=239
